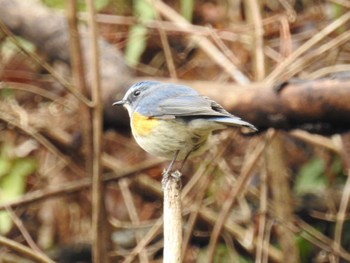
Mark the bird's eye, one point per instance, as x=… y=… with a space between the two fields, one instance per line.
x=137 y=92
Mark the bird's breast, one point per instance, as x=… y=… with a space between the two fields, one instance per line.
x=143 y=125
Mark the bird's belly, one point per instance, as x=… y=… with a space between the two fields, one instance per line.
x=171 y=136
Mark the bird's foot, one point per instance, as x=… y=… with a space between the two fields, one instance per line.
x=167 y=175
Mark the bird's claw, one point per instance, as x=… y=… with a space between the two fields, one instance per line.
x=176 y=175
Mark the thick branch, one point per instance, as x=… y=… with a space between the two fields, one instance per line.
x=320 y=106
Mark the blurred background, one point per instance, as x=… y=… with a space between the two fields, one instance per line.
x=282 y=65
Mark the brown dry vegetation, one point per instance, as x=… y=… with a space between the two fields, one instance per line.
x=281 y=195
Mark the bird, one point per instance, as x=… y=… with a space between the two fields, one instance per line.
x=174 y=121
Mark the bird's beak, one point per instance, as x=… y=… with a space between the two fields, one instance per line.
x=118 y=103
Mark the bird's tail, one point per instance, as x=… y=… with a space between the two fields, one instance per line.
x=234 y=121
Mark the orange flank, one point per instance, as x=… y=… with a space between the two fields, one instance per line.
x=143 y=125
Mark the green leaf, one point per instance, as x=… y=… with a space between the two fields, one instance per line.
x=12 y=185
x=5 y=167
x=9 y=49
x=187 y=9
x=222 y=255
x=54 y=3
x=100 y=4
x=304 y=248
x=310 y=177
x=337 y=165
x=136 y=43
x=337 y=11
x=81 y=5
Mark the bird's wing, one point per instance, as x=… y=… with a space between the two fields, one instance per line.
x=193 y=106
x=188 y=106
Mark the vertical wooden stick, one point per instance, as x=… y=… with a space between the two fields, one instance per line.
x=172 y=219
x=279 y=180
x=99 y=243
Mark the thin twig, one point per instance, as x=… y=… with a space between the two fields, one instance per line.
x=266 y=243
x=253 y=13
x=130 y=206
x=19 y=223
x=75 y=186
x=206 y=45
x=221 y=44
x=240 y=234
x=237 y=189
x=317 y=140
x=78 y=74
x=285 y=38
x=167 y=51
x=341 y=215
x=25 y=251
x=195 y=207
x=288 y=6
x=306 y=47
x=314 y=236
x=197 y=181
x=43 y=141
x=300 y=64
x=31 y=88
x=99 y=247
x=279 y=178
x=45 y=65
x=260 y=255
x=143 y=243
x=233 y=34
x=345 y=3
x=324 y=71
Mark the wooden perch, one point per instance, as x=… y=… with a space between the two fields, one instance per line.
x=172 y=220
